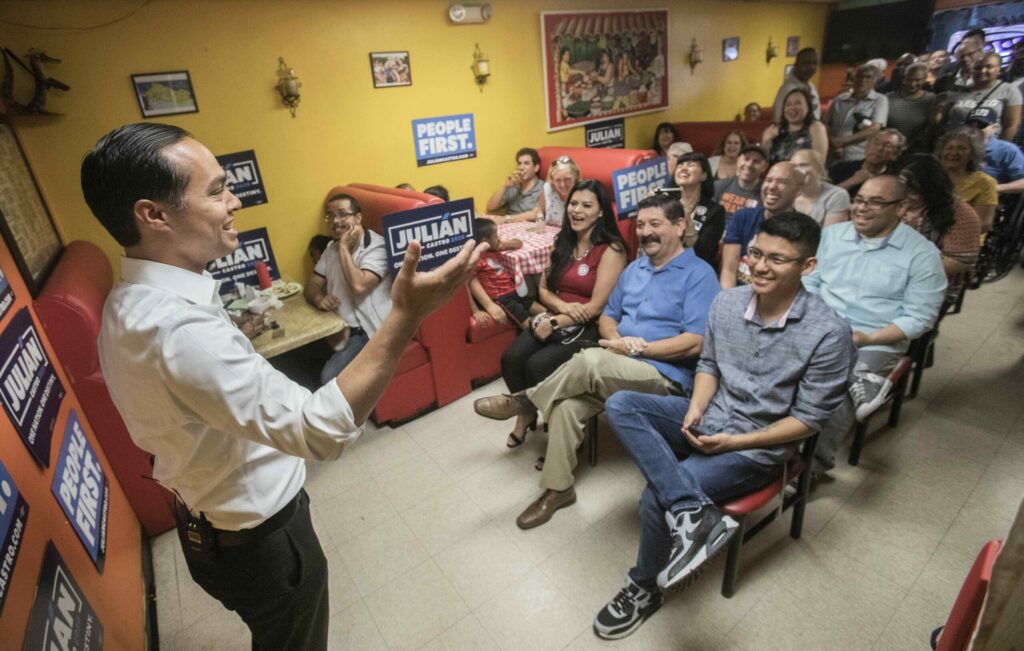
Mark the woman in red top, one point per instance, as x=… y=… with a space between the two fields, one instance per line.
x=588 y=257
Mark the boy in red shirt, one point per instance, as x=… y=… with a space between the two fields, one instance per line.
x=493 y=287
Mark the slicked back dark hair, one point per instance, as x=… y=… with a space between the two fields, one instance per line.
x=127 y=165
x=797 y=228
x=668 y=205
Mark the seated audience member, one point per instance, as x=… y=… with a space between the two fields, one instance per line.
x=664 y=135
x=752 y=112
x=886 y=280
x=563 y=175
x=962 y=152
x=351 y=278
x=744 y=189
x=880 y=153
x=727 y=155
x=803 y=359
x=856 y=115
x=911 y=106
x=588 y=257
x=798 y=129
x=438 y=191
x=936 y=61
x=899 y=72
x=705 y=219
x=675 y=150
x=1004 y=161
x=493 y=285
x=405 y=186
x=991 y=92
x=804 y=67
x=521 y=191
x=827 y=204
x=780 y=190
x=651 y=333
x=957 y=75
x=317 y=246
x=933 y=210
x=880 y=66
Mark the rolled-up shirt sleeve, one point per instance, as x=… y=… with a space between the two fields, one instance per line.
x=708 y=362
x=923 y=295
x=823 y=386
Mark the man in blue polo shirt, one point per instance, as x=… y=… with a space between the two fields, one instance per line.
x=651 y=331
x=1003 y=160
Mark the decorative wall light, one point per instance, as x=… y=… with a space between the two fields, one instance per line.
x=481 y=67
x=771 y=52
x=288 y=85
x=696 y=55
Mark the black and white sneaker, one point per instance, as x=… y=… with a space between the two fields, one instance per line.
x=869 y=391
x=626 y=612
x=696 y=536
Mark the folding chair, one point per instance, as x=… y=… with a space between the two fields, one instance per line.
x=967 y=608
x=898 y=376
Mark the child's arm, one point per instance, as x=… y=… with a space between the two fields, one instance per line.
x=510 y=245
x=491 y=310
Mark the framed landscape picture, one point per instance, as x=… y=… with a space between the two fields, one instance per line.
x=390 y=69
x=165 y=93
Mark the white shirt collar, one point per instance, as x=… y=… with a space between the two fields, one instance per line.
x=201 y=289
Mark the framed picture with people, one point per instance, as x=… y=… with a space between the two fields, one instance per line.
x=390 y=69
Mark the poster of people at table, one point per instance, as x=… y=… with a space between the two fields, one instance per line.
x=82 y=491
x=61 y=616
x=13 y=520
x=603 y=64
x=30 y=390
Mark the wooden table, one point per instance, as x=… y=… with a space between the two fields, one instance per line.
x=301 y=324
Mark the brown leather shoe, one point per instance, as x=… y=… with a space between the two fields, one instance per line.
x=504 y=406
x=544 y=507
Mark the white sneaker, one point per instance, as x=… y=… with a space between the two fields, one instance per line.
x=869 y=392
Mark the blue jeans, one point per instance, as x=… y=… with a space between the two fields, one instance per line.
x=341 y=358
x=649 y=428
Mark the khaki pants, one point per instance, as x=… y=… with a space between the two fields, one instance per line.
x=577 y=391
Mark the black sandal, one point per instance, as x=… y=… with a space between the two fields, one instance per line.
x=514 y=441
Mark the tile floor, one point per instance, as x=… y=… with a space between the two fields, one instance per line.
x=418 y=526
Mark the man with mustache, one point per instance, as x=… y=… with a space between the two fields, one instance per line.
x=651 y=332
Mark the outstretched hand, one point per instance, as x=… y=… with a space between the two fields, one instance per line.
x=415 y=294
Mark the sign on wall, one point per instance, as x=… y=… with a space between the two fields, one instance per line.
x=633 y=184
x=239 y=266
x=441 y=229
x=29 y=387
x=6 y=295
x=13 y=520
x=607 y=135
x=444 y=139
x=61 y=616
x=81 y=489
x=244 y=179
x=602 y=64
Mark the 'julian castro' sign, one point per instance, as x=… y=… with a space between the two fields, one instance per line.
x=13 y=519
x=81 y=489
x=61 y=616
x=608 y=135
x=239 y=266
x=444 y=139
x=441 y=229
x=633 y=184
x=244 y=178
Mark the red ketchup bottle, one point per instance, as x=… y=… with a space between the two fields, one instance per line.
x=263 y=275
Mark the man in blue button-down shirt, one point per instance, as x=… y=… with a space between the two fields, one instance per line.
x=886 y=280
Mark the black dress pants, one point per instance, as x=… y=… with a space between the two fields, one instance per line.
x=277 y=584
x=528 y=362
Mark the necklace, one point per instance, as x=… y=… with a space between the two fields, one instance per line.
x=585 y=253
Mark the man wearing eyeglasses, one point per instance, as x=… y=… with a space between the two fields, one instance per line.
x=886 y=280
x=351 y=279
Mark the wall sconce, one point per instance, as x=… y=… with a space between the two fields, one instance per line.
x=696 y=55
x=288 y=85
x=771 y=52
x=481 y=67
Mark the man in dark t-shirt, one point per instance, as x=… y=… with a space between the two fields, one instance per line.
x=744 y=189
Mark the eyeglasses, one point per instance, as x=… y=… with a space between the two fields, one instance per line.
x=331 y=216
x=755 y=255
x=873 y=203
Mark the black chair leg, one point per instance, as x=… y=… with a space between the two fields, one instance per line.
x=858 y=442
x=897 y=400
x=732 y=561
x=592 y=441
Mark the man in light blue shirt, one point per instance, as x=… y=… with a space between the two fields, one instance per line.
x=886 y=280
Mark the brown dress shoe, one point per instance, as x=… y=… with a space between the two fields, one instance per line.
x=504 y=406
x=545 y=506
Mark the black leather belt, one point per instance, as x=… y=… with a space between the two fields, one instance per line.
x=356 y=331
x=227 y=538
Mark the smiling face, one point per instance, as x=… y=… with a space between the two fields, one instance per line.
x=340 y=217
x=781 y=187
x=883 y=148
x=752 y=112
x=806 y=65
x=956 y=155
x=938 y=59
x=526 y=168
x=914 y=80
x=659 y=238
x=986 y=70
x=732 y=146
x=776 y=265
x=665 y=138
x=562 y=179
x=750 y=167
x=583 y=211
x=795 y=108
x=876 y=209
x=689 y=173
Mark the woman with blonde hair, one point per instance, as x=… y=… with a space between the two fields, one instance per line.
x=827 y=204
x=562 y=176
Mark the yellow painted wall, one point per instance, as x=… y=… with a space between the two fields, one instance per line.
x=346 y=131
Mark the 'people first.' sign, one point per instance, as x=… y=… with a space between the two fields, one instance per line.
x=633 y=184
x=441 y=229
x=444 y=139
x=81 y=489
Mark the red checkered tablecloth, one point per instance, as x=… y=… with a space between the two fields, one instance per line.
x=535 y=256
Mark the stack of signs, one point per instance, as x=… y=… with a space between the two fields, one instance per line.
x=82 y=491
x=29 y=386
x=61 y=617
x=633 y=184
x=13 y=519
x=6 y=295
x=239 y=266
x=444 y=139
x=441 y=229
x=244 y=179
x=608 y=135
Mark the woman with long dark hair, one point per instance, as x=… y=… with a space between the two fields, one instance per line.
x=664 y=135
x=705 y=219
x=796 y=130
x=588 y=257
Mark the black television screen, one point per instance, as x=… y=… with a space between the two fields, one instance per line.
x=883 y=30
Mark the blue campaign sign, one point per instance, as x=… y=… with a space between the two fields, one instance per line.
x=244 y=178
x=633 y=184
x=444 y=139
x=441 y=229
x=13 y=519
x=239 y=266
x=81 y=489
x=29 y=386
x=61 y=616
x=6 y=295
x=610 y=134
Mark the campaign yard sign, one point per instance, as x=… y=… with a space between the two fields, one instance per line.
x=61 y=616
x=82 y=491
x=239 y=266
x=6 y=295
x=29 y=386
x=633 y=184
x=607 y=135
x=444 y=139
x=244 y=178
x=13 y=519
x=441 y=229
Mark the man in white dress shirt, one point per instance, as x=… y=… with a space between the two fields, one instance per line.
x=228 y=432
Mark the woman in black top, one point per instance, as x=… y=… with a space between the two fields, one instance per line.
x=705 y=222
